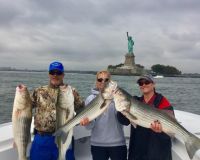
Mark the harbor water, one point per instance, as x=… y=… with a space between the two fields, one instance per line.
x=183 y=93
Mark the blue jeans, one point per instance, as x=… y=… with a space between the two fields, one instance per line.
x=44 y=148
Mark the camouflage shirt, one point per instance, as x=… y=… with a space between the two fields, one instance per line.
x=44 y=103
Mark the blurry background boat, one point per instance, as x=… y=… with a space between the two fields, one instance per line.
x=158 y=76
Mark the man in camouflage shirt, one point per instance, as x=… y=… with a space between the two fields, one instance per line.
x=44 y=103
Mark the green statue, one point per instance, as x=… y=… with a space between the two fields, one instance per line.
x=130 y=44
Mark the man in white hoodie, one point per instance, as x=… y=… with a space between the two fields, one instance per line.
x=107 y=135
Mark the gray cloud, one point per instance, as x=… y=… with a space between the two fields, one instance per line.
x=89 y=35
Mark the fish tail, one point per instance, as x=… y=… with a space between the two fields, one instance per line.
x=65 y=145
x=64 y=136
x=58 y=133
x=192 y=145
x=23 y=157
x=69 y=139
x=61 y=133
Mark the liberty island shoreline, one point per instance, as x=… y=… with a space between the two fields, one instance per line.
x=9 y=69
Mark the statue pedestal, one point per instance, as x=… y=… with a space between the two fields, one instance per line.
x=129 y=60
x=129 y=67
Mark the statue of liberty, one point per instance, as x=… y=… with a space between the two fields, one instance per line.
x=130 y=44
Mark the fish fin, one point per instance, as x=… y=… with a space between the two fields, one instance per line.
x=14 y=145
x=64 y=137
x=133 y=117
x=170 y=134
x=134 y=125
x=67 y=142
x=192 y=145
x=129 y=115
x=61 y=133
x=58 y=133
x=197 y=133
x=69 y=139
x=103 y=104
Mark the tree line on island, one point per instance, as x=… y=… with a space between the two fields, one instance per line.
x=165 y=70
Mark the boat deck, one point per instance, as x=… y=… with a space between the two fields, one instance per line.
x=82 y=139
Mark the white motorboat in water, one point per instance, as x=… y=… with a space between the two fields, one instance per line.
x=82 y=139
x=158 y=76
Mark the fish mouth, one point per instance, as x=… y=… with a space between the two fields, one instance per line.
x=121 y=102
x=21 y=88
x=63 y=87
x=113 y=86
x=109 y=90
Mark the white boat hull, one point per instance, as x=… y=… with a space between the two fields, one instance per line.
x=82 y=139
x=158 y=76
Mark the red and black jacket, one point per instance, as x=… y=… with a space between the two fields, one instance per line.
x=144 y=143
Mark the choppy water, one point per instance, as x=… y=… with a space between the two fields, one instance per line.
x=183 y=93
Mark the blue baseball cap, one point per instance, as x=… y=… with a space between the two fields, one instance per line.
x=56 y=66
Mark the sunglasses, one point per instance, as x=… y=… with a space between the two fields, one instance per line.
x=101 y=79
x=57 y=73
x=141 y=83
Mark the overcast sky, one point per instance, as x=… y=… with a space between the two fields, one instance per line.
x=91 y=34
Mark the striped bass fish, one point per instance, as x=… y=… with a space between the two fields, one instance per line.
x=143 y=115
x=95 y=108
x=64 y=112
x=21 y=120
